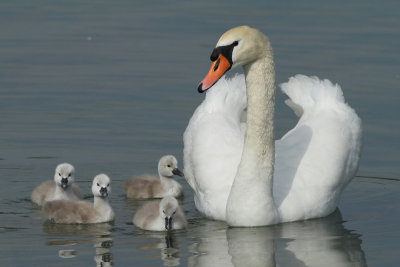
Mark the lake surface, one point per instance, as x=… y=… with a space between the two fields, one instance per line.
x=109 y=86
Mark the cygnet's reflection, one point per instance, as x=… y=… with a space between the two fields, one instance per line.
x=320 y=242
x=99 y=234
x=167 y=244
x=104 y=257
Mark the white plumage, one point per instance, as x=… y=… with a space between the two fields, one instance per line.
x=311 y=165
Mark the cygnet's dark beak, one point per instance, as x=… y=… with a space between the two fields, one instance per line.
x=176 y=171
x=64 y=183
x=103 y=191
x=168 y=223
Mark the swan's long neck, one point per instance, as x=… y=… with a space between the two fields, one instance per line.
x=61 y=193
x=103 y=208
x=250 y=201
x=100 y=202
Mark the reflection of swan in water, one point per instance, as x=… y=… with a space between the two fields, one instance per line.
x=103 y=257
x=99 y=234
x=166 y=243
x=320 y=242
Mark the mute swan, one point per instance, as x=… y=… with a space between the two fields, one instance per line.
x=161 y=215
x=237 y=171
x=62 y=187
x=149 y=186
x=67 y=211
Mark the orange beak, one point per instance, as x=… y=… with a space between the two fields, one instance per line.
x=218 y=68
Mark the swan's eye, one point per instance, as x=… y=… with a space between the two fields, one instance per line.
x=108 y=185
x=169 y=166
x=59 y=174
x=235 y=43
x=163 y=211
x=69 y=175
x=98 y=184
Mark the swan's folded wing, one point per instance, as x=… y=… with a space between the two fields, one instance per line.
x=213 y=141
x=67 y=211
x=319 y=156
x=215 y=130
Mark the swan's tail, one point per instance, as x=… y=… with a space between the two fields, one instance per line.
x=306 y=93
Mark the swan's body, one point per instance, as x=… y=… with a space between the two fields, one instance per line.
x=238 y=172
x=160 y=215
x=67 y=211
x=61 y=188
x=150 y=186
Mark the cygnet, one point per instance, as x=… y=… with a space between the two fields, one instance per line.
x=150 y=186
x=161 y=215
x=62 y=187
x=67 y=211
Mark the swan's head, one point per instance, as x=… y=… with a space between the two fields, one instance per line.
x=168 y=166
x=101 y=186
x=239 y=46
x=168 y=208
x=64 y=175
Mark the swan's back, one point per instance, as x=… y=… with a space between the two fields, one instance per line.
x=142 y=186
x=319 y=156
x=46 y=192
x=64 y=211
x=43 y=192
x=147 y=217
x=215 y=126
x=314 y=161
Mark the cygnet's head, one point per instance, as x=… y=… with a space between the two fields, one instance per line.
x=168 y=166
x=64 y=175
x=101 y=186
x=168 y=208
x=238 y=46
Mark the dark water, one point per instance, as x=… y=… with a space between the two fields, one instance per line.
x=109 y=86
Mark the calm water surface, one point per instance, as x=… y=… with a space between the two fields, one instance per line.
x=109 y=86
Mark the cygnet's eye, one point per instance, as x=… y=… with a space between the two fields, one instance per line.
x=69 y=175
x=163 y=211
x=108 y=185
x=98 y=184
x=169 y=166
x=59 y=174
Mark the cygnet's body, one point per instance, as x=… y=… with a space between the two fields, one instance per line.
x=66 y=211
x=61 y=188
x=160 y=215
x=150 y=186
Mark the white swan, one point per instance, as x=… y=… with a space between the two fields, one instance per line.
x=62 y=187
x=160 y=215
x=237 y=171
x=67 y=211
x=150 y=186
